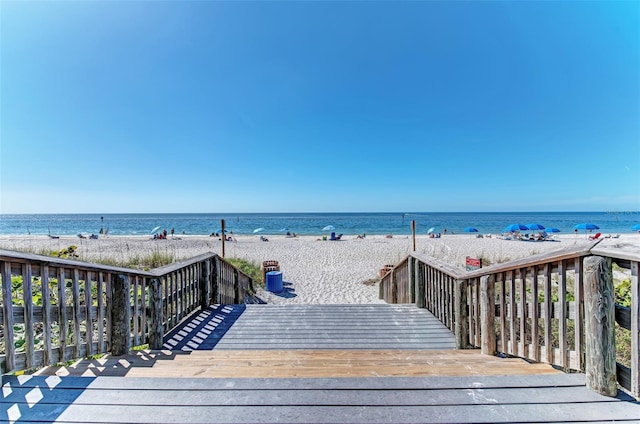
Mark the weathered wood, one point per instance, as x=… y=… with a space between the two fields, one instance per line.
x=9 y=338
x=503 y=311
x=487 y=315
x=224 y=236
x=578 y=319
x=412 y=279
x=47 y=320
x=548 y=308
x=562 y=319
x=413 y=234
x=635 y=328
x=461 y=318
x=88 y=303
x=101 y=316
x=64 y=315
x=156 y=327
x=120 y=314
x=421 y=301
x=600 y=364
x=513 y=316
x=136 y=311
x=534 y=353
x=77 y=318
x=205 y=286
x=27 y=279
x=522 y=350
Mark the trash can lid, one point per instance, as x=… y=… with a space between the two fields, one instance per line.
x=274 y=272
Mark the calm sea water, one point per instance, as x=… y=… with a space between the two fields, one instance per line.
x=308 y=223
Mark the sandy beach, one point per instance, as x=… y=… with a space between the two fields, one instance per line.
x=314 y=271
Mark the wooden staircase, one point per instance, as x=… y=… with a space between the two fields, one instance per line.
x=308 y=364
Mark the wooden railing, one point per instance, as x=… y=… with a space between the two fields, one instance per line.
x=542 y=308
x=55 y=310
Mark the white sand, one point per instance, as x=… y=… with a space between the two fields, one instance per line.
x=313 y=271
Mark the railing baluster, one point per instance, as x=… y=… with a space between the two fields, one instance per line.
x=503 y=312
x=75 y=288
x=46 y=315
x=562 y=318
x=548 y=310
x=522 y=351
x=534 y=351
x=27 y=293
x=63 y=322
x=513 y=314
x=579 y=317
x=7 y=313
x=88 y=303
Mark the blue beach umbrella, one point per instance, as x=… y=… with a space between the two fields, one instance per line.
x=257 y=230
x=514 y=227
x=470 y=230
x=586 y=226
x=552 y=230
x=329 y=228
x=156 y=229
x=636 y=227
x=535 y=227
x=431 y=230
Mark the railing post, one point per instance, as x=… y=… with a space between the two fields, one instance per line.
x=236 y=287
x=600 y=364
x=214 y=279
x=487 y=315
x=412 y=279
x=120 y=314
x=461 y=316
x=394 y=286
x=7 y=313
x=205 y=286
x=421 y=300
x=156 y=327
x=635 y=328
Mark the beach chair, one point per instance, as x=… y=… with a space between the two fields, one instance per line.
x=596 y=236
x=268 y=266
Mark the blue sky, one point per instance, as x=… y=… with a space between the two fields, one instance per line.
x=332 y=106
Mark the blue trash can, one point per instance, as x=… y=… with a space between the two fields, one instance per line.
x=274 y=281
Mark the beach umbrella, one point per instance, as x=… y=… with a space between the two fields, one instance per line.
x=257 y=230
x=636 y=227
x=552 y=230
x=284 y=229
x=329 y=228
x=431 y=230
x=470 y=230
x=156 y=229
x=535 y=227
x=586 y=226
x=514 y=227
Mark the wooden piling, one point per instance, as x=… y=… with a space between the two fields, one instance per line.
x=487 y=315
x=156 y=328
x=120 y=314
x=600 y=363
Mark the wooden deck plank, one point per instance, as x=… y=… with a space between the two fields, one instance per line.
x=494 y=413
x=311 y=327
x=320 y=354
x=387 y=383
x=501 y=399
x=302 y=363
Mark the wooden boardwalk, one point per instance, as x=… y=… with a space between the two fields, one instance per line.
x=308 y=364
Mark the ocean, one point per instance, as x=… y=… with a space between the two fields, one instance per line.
x=398 y=223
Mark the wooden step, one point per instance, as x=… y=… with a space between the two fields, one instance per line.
x=303 y=363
